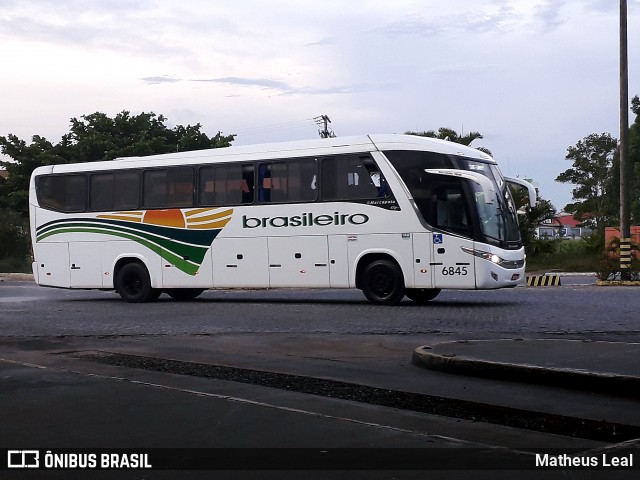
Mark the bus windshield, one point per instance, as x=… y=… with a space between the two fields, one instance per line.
x=498 y=218
x=495 y=218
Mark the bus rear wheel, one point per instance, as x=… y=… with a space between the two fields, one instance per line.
x=133 y=284
x=183 y=294
x=422 y=295
x=383 y=283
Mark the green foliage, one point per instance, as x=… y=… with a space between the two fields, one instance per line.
x=14 y=235
x=91 y=138
x=634 y=160
x=609 y=266
x=565 y=255
x=594 y=243
x=592 y=159
x=451 y=135
x=530 y=217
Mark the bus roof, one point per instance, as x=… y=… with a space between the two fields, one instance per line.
x=326 y=146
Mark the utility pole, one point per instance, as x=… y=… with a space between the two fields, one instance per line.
x=323 y=122
x=625 y=214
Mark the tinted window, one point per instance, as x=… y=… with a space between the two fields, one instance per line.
x=352 y=177
x=118 y=190
x=168 y=188
x=65 y=193
x=226 y=185
x=292 y=181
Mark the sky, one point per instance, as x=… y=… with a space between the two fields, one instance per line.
x=532 y=76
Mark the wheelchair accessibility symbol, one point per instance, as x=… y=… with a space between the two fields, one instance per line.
x=437 y=238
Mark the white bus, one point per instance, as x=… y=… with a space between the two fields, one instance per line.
x=392 y=215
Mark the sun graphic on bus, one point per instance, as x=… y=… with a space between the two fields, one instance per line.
x=193 y=218
x=181 y=237
x=166 y=218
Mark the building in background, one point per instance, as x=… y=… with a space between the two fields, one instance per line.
x=563 y=226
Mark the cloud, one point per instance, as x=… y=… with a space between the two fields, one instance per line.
x=491 y=17
x=548 y=15
x=249 y=82
x=161 y=79
x=281 y=88
x=322 y=42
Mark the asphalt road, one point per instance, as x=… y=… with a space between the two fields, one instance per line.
x=572 y=310
x=299 y=368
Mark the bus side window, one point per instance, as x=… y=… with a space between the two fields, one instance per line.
x=118 y=190
x=168 y=188
x=264 y=182
x=226 y=185
x=352 y=178
x=180 y=187
x=288 y=181
x=451 y=212
x=64 y=193
x=247 y=183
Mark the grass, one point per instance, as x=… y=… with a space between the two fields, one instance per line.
x=15 y=265
x=561 y=262
x=564 y=256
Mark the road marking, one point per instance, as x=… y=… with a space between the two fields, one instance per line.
x=246 y=401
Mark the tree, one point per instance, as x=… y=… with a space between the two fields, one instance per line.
x=91 y=138
x=634 y=159
x=592 y=159
x=451 y=135
x=530 y=216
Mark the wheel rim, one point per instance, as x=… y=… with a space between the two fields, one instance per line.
x=381 y=283
x=133 y=284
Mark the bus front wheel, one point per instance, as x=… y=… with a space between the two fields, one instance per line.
x=133 y=283
x=422 y=295
x=383 y=283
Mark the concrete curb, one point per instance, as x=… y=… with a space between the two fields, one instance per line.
x=17 y=276
x=618 y=283
x=579 y=379
x=543 y=281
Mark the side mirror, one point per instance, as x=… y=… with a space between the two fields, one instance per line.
x=485 y=184
x=533 y=196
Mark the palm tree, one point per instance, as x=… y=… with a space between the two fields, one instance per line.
x=451 y=135
x=530 y=216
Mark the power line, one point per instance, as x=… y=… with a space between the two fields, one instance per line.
x=323 y=122
x=273 y=126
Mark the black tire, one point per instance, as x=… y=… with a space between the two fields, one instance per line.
x=422 y=295
x=155 y=294
x=134 y=285
x=383 y=283
x=183 y=294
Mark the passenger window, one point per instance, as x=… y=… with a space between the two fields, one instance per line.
x=226 y=185
x=64 y=193
x=168 y=188
x=450 y=207
x=118 y=190
x=292 y=181
x=352 y=178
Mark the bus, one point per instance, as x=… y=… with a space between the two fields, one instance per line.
x=391 y=215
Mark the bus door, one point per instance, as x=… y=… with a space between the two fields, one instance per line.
x=452 y=267
x=240 y=262
x=85 y=265
x=52 y=260
x=422 y=255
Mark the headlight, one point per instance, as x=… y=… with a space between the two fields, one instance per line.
x=492 y=257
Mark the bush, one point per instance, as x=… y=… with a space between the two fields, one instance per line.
x=609 y=266
x=563 y=255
